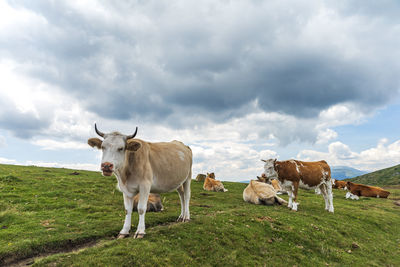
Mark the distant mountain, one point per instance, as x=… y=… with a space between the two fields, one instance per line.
x=388 y=176
x=344 y=172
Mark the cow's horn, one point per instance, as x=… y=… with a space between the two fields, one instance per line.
x=97 y=131
x=133 y=135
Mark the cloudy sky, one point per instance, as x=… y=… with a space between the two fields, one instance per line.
x=237 y=81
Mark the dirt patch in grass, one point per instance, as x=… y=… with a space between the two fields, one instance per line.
x=69 y=247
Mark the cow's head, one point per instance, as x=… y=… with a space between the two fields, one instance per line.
x=211 y=175
x=263 y=178
x=114 y=147
x=269 y=169
x=348 y=186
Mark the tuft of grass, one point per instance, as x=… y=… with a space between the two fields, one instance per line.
x=50 y=210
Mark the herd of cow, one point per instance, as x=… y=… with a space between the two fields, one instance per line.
x=144 y=169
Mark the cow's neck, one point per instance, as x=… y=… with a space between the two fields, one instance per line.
x=120 y=177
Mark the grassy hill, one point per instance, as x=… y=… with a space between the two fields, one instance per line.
x=388 y=176
x=48 y=212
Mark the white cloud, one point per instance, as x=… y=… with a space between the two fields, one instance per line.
x=8 y=161
x=382 y=156
x=49 y=144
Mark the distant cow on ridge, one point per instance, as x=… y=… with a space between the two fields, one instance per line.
x=293 y=174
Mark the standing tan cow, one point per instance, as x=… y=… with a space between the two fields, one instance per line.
x=293 y=174
x=144 y=167
x=210 y=184
x=261 y=193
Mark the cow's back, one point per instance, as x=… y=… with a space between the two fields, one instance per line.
x=309 y=173
x=170 y=164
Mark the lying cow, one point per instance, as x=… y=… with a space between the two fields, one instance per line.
x=293 y=174
x=153 y=204
x=274 y=182
x=144 y=167
x=210 y=184
x=358 y=190
x=339 y=184
x=260 y=193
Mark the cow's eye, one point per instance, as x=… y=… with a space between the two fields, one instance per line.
x=120 y=149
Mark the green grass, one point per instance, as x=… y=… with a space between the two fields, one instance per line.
x=49 y=210
x=385 y=177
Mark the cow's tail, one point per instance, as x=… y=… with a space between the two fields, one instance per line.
x=280 y=201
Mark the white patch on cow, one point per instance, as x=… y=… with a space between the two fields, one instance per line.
x=295 y=163
x=377 y=196
x=306 y=186
x=181 y=155
x=288 y=185
x=317 y=191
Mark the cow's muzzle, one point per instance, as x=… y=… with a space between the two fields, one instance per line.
x=107 y=168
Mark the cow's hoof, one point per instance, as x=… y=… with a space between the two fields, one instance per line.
x=121 y=236
x=182 y=219
x=139 y=235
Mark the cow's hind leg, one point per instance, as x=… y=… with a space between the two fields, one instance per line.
x=324 y=193
x=142 y=207
x=181 y=193
x=128 y=203
x=330 y=196
x=186 y=193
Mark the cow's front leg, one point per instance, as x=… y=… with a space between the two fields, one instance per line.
x=290 y=194
x=128 y=203
x=142 y=207
x=295 y=188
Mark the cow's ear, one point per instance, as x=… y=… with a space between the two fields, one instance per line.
x=259 y=178
x=95 y=142
x=263 y=160
x=133 y=145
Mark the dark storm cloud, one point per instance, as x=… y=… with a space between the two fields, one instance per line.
x=163 y=62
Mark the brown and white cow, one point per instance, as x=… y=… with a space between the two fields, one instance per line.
x=358 y=190
x=339 y=184
x=293 y=174
x=261 y=193
x=210 y=184
x=153 y=204
x=144 y=167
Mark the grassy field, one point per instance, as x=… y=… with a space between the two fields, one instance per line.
x=47 y=212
